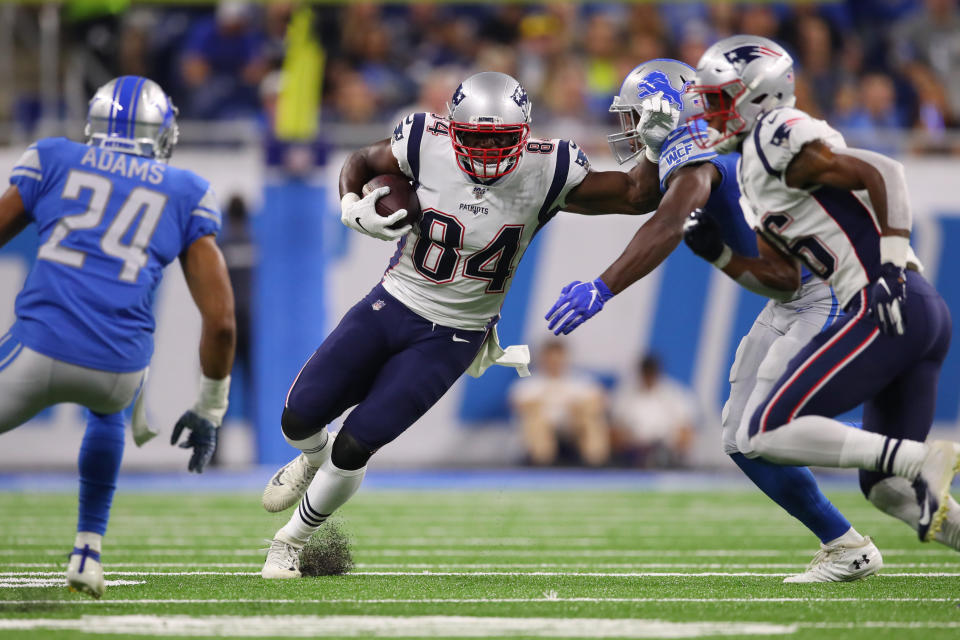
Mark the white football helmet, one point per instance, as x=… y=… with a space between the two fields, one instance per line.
x=739 y=78
x=132 y=114
x=661 y=75
x=489 y=124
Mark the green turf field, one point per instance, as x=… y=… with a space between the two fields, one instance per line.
x=592 y=564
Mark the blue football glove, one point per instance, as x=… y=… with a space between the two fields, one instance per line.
x=702 y=235
x=578 y=302
x=203 y=439
x=887 y=295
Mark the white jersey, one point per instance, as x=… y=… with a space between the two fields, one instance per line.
x=455 y=267
x=835 y=233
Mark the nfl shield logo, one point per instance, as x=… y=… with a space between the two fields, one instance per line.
x=379 y=304
x=479 y=192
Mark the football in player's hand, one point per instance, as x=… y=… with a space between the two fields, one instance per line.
x=402 y=196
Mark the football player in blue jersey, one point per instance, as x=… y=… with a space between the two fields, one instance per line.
x=110 y=214
x=654 y=107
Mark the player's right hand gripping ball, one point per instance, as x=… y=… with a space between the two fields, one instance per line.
x=203 y=439
x=887 y=295
x=702 y=235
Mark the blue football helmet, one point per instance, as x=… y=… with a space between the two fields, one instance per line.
x=661 y=75
x=132 y=114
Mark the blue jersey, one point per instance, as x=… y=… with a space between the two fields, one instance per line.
x=108 y=223
x=723 y=206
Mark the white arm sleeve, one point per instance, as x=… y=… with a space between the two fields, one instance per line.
x=899 y=214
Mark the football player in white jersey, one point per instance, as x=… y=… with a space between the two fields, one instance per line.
x=693 y=178
x=845 y=214
x=485 y=188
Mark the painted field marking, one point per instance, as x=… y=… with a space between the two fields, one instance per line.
x=546 y=599
x=486 y=565
x=20 y=583
x=397 y=626
x=572 y=574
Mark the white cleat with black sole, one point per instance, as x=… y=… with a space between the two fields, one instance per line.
x=283 y=561
x=85 y=573
x=841 y=563
x=932 y=486
x=288 y=485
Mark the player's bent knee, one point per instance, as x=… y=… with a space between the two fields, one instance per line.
x=296 y=428
x=348 y=453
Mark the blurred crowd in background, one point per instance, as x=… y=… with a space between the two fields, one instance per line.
x=869 y=66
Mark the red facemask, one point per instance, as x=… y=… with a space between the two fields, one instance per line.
x=719 y=113
x=498 y=157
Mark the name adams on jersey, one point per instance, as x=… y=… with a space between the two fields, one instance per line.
x=455 y=267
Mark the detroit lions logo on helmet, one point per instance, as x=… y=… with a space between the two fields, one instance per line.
x=520 y=96
x=744 y=55
x=458 y=96
x=657 y=81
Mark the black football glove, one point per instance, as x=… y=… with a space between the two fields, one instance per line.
x=203 y=439
x=702 y=235
x=887 y=295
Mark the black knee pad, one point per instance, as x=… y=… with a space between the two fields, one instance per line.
x=296 y=428
x=348 y=454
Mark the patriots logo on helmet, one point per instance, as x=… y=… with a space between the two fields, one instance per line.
x=458 y=96
x=782 y=134
x=656 y=82
x=742 y=56
x=520 y=96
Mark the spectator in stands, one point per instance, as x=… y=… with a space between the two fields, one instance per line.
x=653 y=418
x=556 y=406
x=223 y=64
x=933 y=38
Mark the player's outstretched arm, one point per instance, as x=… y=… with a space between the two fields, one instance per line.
x=359 y=212
x=689 y=188
x=206 y=275
x=883 y=178
x=13 y=215
x=633 y=193
x=773 y=274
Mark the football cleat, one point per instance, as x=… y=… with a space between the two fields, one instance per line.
x=283 y=561
x=932 y=486
x=288 y=485
x=841 y=563
x=85 y=573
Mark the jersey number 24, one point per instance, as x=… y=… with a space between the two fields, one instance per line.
x=134 y=254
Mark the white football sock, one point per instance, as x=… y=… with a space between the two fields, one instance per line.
x=824 y=442
x=851 y=538
x=88 y=538
x=896 y=497
x=316 y=448
x=330 y=488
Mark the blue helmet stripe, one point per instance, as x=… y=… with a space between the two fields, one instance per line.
x=124 y=98
x=111 y=126
x=138 y=86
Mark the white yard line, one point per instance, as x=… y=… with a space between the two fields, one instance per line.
x=397 y=626
x=575 y=574
x=20 y=583
x=487 y=565
x=545 y=599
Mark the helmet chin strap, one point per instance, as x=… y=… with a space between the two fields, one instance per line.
x=723 y=146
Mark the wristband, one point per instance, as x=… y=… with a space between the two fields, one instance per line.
x=651 y=155
x=894 y=249
x=212 y=399
x=724 y=258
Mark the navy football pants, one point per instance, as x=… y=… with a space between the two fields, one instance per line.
x=388 y=361
x=853 y=363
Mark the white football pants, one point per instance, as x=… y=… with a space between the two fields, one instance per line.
x=776 y=336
